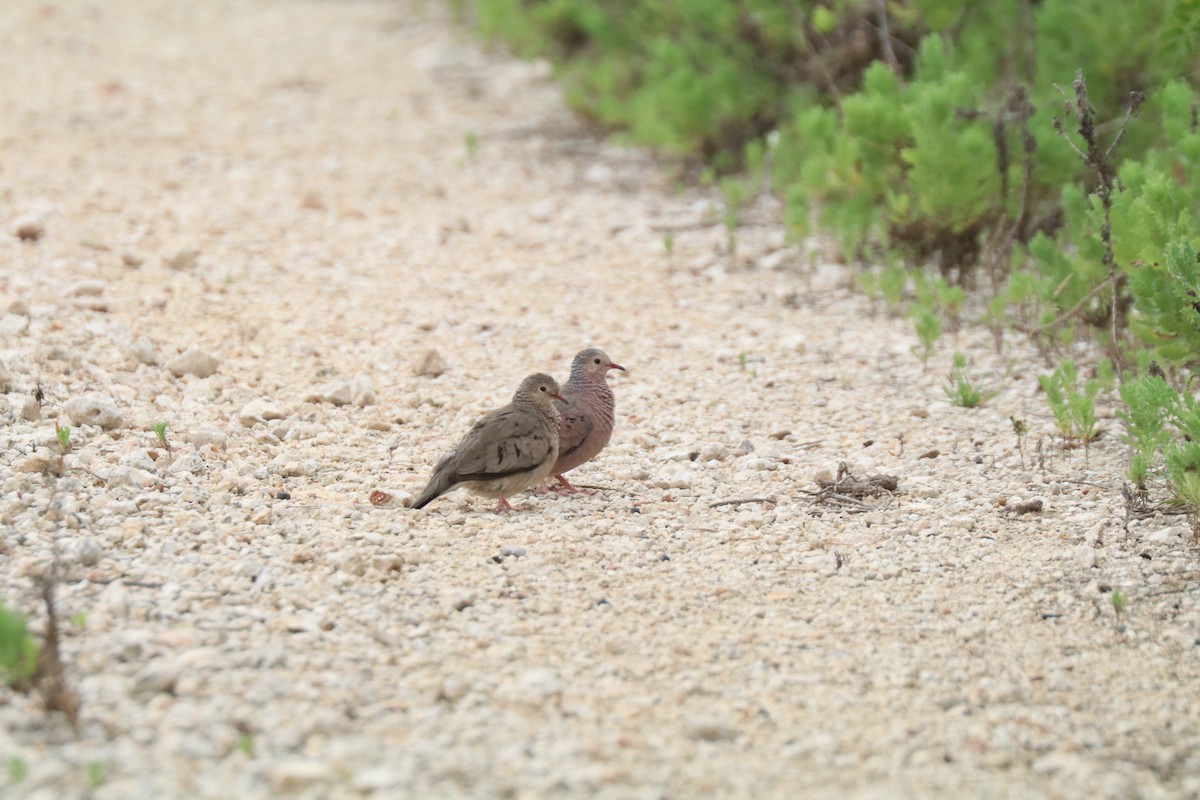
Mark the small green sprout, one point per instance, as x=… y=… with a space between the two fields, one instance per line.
x=1119 y=600
x=95 y=774
x=160 y=430
x=63 y=432
x=959 y=390
x=17 y=769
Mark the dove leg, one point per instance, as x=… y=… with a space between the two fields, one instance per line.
x=567 y=485
x=502 y=505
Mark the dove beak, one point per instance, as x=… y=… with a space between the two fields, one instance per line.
x=611 y=365
x=559 y=398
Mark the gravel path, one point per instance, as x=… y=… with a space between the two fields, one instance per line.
x=309 y=197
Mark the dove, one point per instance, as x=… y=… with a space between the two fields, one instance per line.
x=587 y=412
x=509 y=450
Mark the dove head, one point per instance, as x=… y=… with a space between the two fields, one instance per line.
x=592 y=363
x=538 y=389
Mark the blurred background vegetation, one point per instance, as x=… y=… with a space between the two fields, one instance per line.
x=1042 y=155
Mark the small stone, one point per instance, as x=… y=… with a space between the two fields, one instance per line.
x=193 y=361
x=515 y=552
x=84 y=550
x=362 y=391
x=98 y=304
x=1095 y=534
x=831 y=276
x=31 y=409
x=260 y=410
x=542 y=210
x=248 y=568
x=208 y=436
x=94 y=409
x=711 y=731
x=182 y=259
x=157 y=677
x=139 y=459
x=432 y=365
x=383 y=499
x=1085 y=556
x=130 y=476
x=142 y=351
x=111 y=605
x=462 y=598
x=380 y=779
x=1172 y=535
x=540 y=684
x=89 y=288
x=132 y=258
x=188 y=463
x=919 y=413
x=6 y=378
x=714 y=452
x=13 y=324
x=298 y=774
x=36 y=464
x=337 y=393
x=930 y=453
x=28 y=227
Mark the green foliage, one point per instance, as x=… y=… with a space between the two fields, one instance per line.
x=937 y=292
x=160 y=430
x=1148 y=401
x=1163 y=422
x=1118 y=601
x=1072 y=400
x=891 y=285
x=929 y=330
x=18 y=650
x=95 y=774
x=1168 y=301
x=898 y=164
x=63 y=434
x=944 y=152
x=959 y=389
x=17 y=769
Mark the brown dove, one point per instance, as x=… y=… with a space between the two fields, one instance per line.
x=509 y=450
x=587 y=412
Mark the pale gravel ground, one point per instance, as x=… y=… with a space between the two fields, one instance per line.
x=313 y=154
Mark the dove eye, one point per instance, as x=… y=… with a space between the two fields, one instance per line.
x=543 y=388
x=596 y=361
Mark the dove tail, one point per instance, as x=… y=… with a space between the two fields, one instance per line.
x=439 y=484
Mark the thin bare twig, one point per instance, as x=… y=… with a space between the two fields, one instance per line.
x=885 y=38
x=1073 y=310
x=742 y=502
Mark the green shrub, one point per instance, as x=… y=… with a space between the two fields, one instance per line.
x=1072 y=400
x=18 y=650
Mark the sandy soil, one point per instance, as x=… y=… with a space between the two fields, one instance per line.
x=315 y=195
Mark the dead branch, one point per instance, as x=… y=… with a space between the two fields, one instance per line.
x=742 y=502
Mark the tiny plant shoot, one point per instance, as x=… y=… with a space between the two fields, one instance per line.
x=63 y=432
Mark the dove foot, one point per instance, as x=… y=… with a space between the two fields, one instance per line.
x=567 y=487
